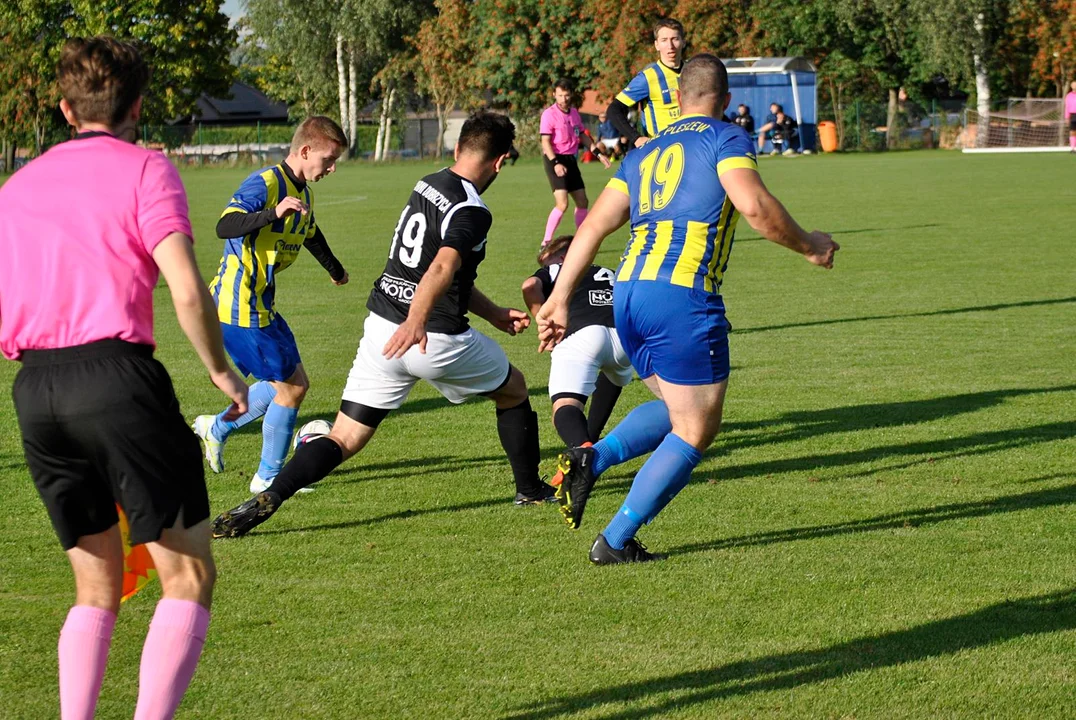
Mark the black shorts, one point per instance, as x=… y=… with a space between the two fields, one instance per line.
x=101 y=425
x=1072 y=123
x=572 y=180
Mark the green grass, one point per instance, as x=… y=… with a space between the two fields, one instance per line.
x=882 y=530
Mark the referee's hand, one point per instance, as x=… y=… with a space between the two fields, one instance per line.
x=229 y=383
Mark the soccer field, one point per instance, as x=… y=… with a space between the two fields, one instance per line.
x=883 y=529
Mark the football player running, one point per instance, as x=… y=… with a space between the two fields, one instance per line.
x=418 y=329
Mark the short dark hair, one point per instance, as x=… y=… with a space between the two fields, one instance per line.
x=703 y=75
x=101 y=78
x=564 y=84
x=488 y=133
x=555 y=247
x=668 y=23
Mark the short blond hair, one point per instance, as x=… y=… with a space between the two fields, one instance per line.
x=317 y=131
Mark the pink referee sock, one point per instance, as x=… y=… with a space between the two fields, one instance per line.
x=83 y=650
x=551 y=224
x=580 y=216
x=169 y=657
x=1072 y=141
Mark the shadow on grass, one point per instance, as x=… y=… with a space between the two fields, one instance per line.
x=850 y=418
x=857 y=231
x=898 y=316
x=998 y=623
x=1065 y=495
x=927 y=451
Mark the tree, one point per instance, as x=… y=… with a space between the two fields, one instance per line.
x=186 y=42
x=441 y=62
x=290 y=53
x=529 y=44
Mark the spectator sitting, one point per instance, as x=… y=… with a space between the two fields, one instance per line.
x=743 y=119
x=608 y=137
x=766 y=131
x=785 y=135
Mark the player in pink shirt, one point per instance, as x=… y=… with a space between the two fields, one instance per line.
x=561 y=129
x=1070 y=115
x=99 y=419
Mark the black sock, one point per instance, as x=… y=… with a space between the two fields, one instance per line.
x=571 y=425
x=312 y=462
x=601 y=406
x=518 y=431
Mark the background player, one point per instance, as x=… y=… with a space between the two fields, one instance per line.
x=589 y=363
x=561 y=129
x=99 y=419
x=418 y=329
x=655 y=87
x=669 y=313
x=268 y=221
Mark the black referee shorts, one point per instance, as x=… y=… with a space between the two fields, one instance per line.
x=572 y=180
x=101 y=425
x=1072 y=123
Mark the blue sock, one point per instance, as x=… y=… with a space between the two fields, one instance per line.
x=258 y=399
x=639 y=433
x=277 y=429
x=663 y=476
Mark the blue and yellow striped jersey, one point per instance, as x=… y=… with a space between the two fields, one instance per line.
x=245 y=286
x=682 y=222
x=655 y=87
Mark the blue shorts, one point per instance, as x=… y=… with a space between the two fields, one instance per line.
x=267 y=353
x=678 y=333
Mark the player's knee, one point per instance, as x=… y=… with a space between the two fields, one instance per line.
x=514 y=391
x=191 y=580
x=561 y=205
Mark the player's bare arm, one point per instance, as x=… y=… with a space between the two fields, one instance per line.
x=533 y=296
x=609 y=213
x=435 y=282
x=507 y=320
x=197 y=316
x=769 y=218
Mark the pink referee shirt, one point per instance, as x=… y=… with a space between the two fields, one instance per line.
x=77 y=229
x=564 y=129
x=1070 y=104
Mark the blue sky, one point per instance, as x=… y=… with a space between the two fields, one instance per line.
x=233 y=8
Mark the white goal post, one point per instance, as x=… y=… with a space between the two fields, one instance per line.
x=1026 y=125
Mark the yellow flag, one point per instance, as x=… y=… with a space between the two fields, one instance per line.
x=138 y=567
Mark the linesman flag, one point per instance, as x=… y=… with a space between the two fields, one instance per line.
x=138 y=568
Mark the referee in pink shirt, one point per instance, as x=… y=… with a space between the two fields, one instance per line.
x=561 y=130
x=99 y=419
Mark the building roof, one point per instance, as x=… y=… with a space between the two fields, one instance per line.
x=246 y=105
x=756 y=65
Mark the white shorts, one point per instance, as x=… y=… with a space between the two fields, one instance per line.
x=459 y=366
x=610 y=143
x=582 y=355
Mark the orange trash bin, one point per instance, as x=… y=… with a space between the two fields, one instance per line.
x=827 y=133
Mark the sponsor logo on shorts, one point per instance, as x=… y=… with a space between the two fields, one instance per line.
x=398 y=289
x=600 y=298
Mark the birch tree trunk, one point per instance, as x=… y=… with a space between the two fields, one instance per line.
x=442 y=116
x=381 y=128
x=982 y=84
x=352 y=126
x=388 y=124
x=891 y=130
x=341 y=80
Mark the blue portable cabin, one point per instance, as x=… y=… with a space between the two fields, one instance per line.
x=787 y=81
